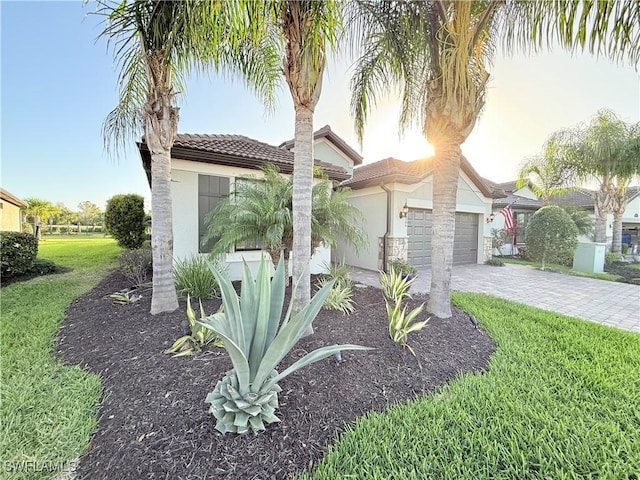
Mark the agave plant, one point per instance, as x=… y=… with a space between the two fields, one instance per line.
x=199 y=337
x=257 y=338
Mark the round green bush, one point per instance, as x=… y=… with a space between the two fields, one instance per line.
x=18 y=252
x=124 y=220
x=552 y=236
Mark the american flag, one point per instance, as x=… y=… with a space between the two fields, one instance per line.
x=507 y=213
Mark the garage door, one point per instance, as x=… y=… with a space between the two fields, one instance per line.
x=465 y=247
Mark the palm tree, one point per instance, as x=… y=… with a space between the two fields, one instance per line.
x=308 y=28
x=260 y=212
x=40 y=210
x=437 y=52
x=156 y=43
x=551 y=173
x=606 y=152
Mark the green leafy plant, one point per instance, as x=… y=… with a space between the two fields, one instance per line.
x=394 y=286
x=495 y=262
x=257 y=340
x=610 y=258
x=339 y=297
x=42 y=266
x=18 y=252
x=401 y=324
x=200 y=336
x=403 y=267
x=193 y=278
x=339 y=271
x=124 y=220
x=136 y=265
x=125 y=297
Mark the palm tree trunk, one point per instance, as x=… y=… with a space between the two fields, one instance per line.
x=616 y=244
x=160 y=131
x=445 y=188
x=302 y=185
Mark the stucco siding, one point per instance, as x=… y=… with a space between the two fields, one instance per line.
x=10 y=217
x=326 y=152
x=184 y=193
x=372 y=203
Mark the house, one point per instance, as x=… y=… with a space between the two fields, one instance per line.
x=395 y=198
x=204 y=169
x=524 y=203
x=11 y=212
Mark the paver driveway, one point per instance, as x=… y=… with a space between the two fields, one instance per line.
x=610 y=303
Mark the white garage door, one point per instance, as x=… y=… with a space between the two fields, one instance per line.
x=465 y=248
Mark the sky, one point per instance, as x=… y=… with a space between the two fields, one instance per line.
x=58 y=83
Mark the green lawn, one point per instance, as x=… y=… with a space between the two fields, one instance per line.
x=561 y=400
x=562 y=268
x=48 y=410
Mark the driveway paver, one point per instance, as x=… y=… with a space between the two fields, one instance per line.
x=609 y=303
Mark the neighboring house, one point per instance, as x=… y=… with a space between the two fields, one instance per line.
x=11 y=212
x=524 y=203
x=395 y=198
x=204 y=169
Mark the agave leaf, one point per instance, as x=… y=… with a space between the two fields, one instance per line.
x=256 y=423
x=248 y=306
x=241 y=419
x=277 y=303
x=177 y=344
x=415 y=327
x=230 y=406
x=288 y=336
x=240 y=363
x=185 y=352
x=263 y=300
x=202 y=314
x=312 y=357
x=231 y=305
x=191 y=315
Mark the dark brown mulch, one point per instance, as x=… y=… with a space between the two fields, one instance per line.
x=627 y=274
x=154 y=422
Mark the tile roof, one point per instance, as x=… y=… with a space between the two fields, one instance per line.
x=326 y=132
x=581 y=197
x=234 y=150
x=394 y=170
x=517 y=202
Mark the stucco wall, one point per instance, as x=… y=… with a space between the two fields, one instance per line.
x=184 y=193
x=372 y=203
x=10 y=217
x=632 y=212
x=325 y=151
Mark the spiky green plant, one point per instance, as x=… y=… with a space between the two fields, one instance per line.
x=401 y=324
x=395 y=286
x=339 y=297
x=199 y=337
x=194 y=278
x=257 y=340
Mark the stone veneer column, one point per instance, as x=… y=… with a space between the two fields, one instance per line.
x=398 y=248
x=488 y=248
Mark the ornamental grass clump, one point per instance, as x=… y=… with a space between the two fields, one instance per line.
x=257 y=338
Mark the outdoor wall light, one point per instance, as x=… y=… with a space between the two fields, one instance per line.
x=404 y=211
x=490 y=218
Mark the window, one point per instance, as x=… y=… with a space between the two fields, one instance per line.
x=522 y=219
x=255 y=243
x=211 y=191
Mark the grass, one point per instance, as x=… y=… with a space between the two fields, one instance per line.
x=635 y=265
x=610 y=277
x=561 y=400
x=48 y=409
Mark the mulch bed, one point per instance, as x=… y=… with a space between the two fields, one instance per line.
x=627 y=274
x=154 y=423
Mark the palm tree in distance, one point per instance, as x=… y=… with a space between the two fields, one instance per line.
x=437 y=53
x=156 y=44
x=550 y=173
x=40 y=210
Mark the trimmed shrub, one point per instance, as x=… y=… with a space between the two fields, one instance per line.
x=552 y=236
x=42 y=266
x=136 y=265
x=124 y=220
x=495 y=262
x=18 y=253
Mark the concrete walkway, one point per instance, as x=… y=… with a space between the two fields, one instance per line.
x=609 y=303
